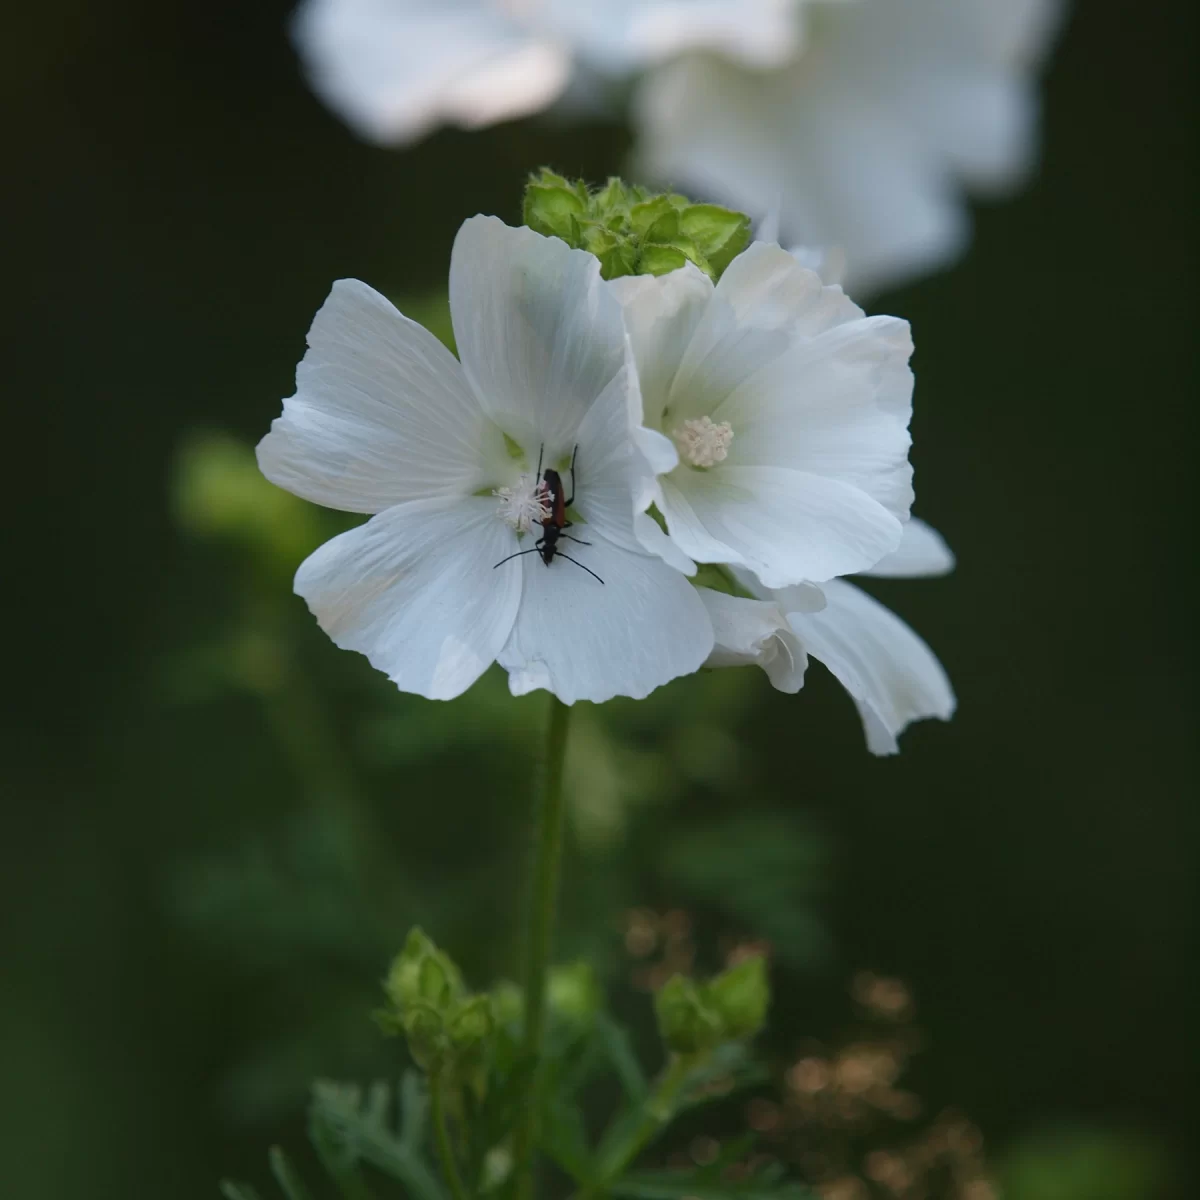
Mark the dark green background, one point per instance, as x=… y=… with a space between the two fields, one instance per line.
x=178 y=204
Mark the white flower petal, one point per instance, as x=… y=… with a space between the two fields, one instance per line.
x=892 y=675
x=865 y=139
x=382 y=413
x=661 y=315
x=754 y=632
x=922 y=552
x=837 y=405
x=785 y=526
x=414 y=589
x=396 y=69
x=539 y=333
x=618 y=35
x=583 y=640
x=774 y=289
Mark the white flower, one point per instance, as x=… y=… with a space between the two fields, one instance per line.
x=789 y=410
x=865 y=139
x=396 y=69
x=386 y=421
x=891 y=674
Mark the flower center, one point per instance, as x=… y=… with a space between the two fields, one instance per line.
x=525 y=504
x=703 y=442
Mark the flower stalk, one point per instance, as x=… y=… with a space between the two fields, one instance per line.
x=548 y=842
x=441 y=1133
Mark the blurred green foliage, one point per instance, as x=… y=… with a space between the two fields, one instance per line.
x=218 y=828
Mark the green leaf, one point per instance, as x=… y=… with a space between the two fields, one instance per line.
x=660 y=260
x=657 y=220
x=562 y=1134
x=237 y=1191
x=286 y=1175
x=613 y=1040
x=550 y=210
x=670 y=1185
x=719 y=233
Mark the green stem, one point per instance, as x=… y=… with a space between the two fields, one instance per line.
x=437 y=1111
x=544 y=897
x=658 y=1112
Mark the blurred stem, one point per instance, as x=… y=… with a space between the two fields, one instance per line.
x=441 y=1134
x=658 y=1111
x=548 y=842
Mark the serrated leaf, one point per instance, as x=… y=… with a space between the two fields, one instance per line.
x=645 y=216
x=719 y=233
x=660 y=260
x=287 y=1176
x=551 y=210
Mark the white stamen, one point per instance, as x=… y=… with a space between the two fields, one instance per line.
x=702 y=442
x=525 y=504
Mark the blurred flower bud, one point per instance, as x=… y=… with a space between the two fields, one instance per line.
x=572 y=993
x=686 y=1021
x=421 y=974
x=471 y=1023
x=632 y=231
x=741 y=996
x=508 y=1003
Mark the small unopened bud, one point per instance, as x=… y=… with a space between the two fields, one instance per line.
x=422 y=974
x=572 y=993
x=471 y=1023
x=686 y=1021
x=632 y=231
x=741 y=996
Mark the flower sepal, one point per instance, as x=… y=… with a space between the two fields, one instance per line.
x=633 y=231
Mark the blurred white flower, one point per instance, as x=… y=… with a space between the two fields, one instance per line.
x=891 y=674
x=396 y=69
x=789 y=410
x=866 y=139
x=386 y=421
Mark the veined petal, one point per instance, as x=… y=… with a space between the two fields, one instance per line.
x=382 y=413
x=539 y=333
x=414 y=589
x=891 y=674
x=583 y=640
x=754 y=632
x=837 y=405
x=396 y=69
x=786 y=526
x=661 y=315
x=922 y=552
x=774 y=289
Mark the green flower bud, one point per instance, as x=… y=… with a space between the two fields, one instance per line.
x=422 y=974
x=686 y=1021
x=426 y=1033
x=631 y=231
x=740 y=996
x=508 y=1003
x=572 y=993
x=471 y=1023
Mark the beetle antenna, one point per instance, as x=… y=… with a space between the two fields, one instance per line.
x=561 y=554
x=518 y=555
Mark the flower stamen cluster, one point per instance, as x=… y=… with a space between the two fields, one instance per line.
x=524 y=504
x=704 y=442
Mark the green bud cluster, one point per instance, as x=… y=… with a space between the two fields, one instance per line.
x=633 y=231
x=430 y=1006
x=693 y=1017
